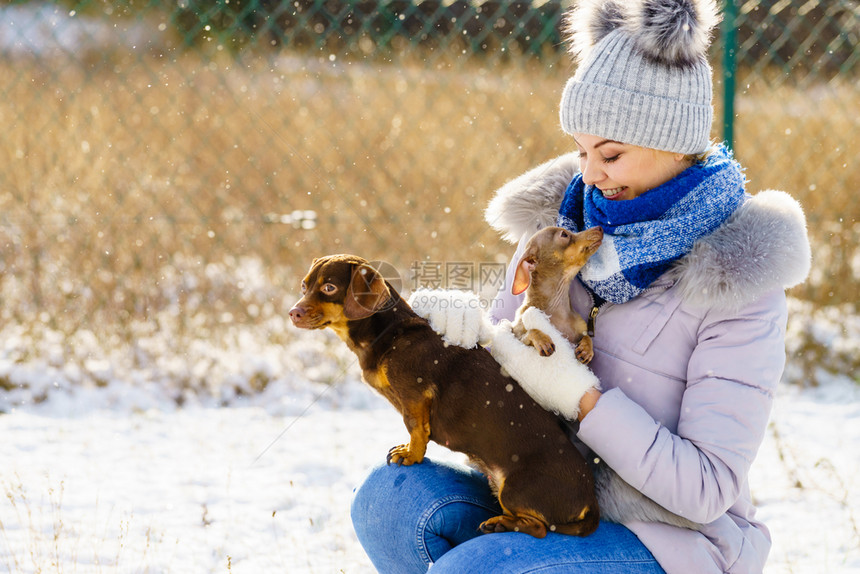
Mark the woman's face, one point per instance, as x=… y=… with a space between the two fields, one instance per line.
x=623 y=171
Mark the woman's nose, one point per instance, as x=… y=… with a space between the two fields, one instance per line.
x=591 y=173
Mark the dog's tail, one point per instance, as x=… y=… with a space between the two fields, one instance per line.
x=621 y=503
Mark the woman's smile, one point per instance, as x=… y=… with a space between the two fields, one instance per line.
x=614 y=193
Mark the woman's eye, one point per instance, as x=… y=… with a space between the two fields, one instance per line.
x=612 y=158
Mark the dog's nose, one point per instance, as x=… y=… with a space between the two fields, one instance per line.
x=297 y=313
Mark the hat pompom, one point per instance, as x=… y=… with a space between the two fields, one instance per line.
x=672 y=32
x=589 y=22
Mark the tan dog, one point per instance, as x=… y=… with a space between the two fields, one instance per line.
x=552 y=258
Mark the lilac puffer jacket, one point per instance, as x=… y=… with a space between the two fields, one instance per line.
x=688 y=368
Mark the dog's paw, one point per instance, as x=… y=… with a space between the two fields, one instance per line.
x=402 y=456
x=585 y=350
x=540 y=341
x=505 y=523
x=492 y=525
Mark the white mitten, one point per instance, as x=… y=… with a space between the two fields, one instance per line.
x=557 y=382
x=456 y=315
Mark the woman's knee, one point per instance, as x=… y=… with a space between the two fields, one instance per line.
x=403 y=494
x=410 y=489
x=417 y=513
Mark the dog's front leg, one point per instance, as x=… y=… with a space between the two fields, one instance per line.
x=583 y=343
x=540 y=341
x=417 y=418
x=534 y=338
x=585 y=350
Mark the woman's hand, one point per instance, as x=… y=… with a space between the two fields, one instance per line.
x=587 y=402
x=556 y=382
x=456 y=315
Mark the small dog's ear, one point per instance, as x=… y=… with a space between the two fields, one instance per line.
x=366 y=294
x=523 y=276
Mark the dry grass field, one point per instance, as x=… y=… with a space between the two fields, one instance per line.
x=139 y=184
x=804 y=139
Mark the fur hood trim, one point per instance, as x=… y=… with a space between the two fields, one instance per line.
x=761 y=247
x=531 y=201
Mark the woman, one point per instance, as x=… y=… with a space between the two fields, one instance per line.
x=687 y=305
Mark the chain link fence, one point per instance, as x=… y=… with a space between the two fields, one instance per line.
x=174 y=166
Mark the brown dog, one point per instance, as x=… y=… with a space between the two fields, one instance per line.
x=553 y=256
x=457 y=397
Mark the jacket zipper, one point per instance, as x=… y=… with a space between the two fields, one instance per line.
x=591 y=317
x=595 y=310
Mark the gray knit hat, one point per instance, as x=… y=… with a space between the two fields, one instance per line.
x=643 y=76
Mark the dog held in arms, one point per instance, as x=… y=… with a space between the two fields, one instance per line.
x=457 y=397
x=552 y=258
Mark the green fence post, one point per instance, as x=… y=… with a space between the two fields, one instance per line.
x=730 y=39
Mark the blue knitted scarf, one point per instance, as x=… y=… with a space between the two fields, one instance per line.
x=645 y=235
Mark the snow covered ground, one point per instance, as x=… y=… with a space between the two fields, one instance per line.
x=91 y=482
x=235 y=448
x=47 y=30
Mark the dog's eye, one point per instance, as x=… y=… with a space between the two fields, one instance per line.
x=328 y=288
x=564 y=234
x=304 y=287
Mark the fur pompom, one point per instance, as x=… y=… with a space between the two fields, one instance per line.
x=672 y=32
x=589 y=22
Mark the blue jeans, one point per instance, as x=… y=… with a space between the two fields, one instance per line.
x=408 y=518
